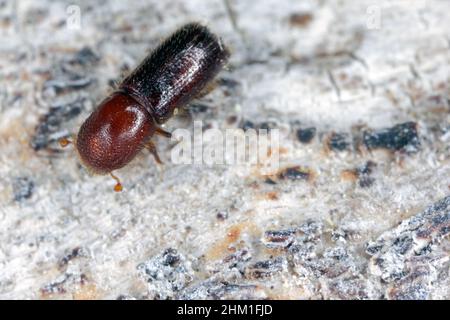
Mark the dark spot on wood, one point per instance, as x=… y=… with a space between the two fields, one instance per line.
x=125 y=297
x=365 y=181
x=361 y=174
x=232 y=119
x=266 y=268
x=272 y=195
x=401 y=137
x=72 y=82
x=169 y=270
x=373 y=249
x=229 y=86
x=61 y=284
x=338 y=234
x=306 y=135
x=267 y=125
x=424 y=251
x=207 y=126
x=279 y=238
x=338 y=142
x=22 y=188
x=50 y=124
x=170 y=257
x=367 y=168
x=53 y=288
x=295 y=173
x=229 y=83
x=198 y=108
x=76 y=252
x=270 y=181
x=364 y=172
x=247 y=124
x=222 y=215
x=403 y=244
x=85 y=56
x=300 y=19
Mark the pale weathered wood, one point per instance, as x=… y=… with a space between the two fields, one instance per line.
x=338 y=66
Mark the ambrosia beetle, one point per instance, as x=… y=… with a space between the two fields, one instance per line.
x=170 y=77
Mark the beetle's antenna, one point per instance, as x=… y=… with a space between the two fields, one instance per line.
x=64 y=142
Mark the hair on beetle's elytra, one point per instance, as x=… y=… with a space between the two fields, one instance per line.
x=175 y=73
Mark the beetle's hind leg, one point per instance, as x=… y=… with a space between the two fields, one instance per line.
x=152 y=148
x=150 y=145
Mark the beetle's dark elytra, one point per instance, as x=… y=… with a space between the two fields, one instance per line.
x=177 y=70
x=170 y=77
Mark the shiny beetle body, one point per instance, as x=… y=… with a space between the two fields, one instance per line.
x=170 y=77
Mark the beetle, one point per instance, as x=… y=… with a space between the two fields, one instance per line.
x=176 y=72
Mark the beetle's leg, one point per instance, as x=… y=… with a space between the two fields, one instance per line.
x=163 y=133
x=152 y=148
x=118 y=187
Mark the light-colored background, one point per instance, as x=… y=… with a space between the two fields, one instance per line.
x=369 y=63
